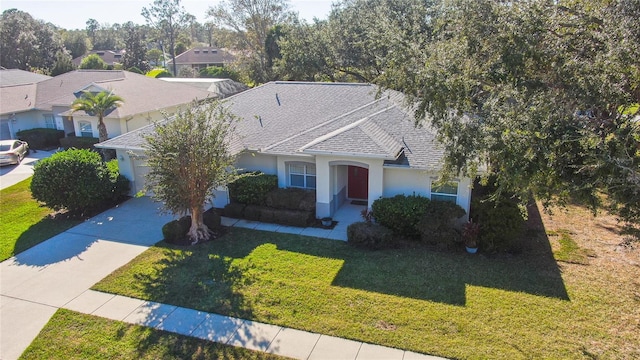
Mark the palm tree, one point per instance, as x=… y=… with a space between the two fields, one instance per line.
x=97 y=104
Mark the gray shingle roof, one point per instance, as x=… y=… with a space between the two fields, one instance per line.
x=316 y=118
x=141 y=94
x=12 y=77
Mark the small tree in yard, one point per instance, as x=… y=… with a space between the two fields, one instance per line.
x=189 y=156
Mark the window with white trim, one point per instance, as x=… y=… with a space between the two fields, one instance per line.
x=445 y=192
x=85 y=129
x=49 y=121
x=302 y=175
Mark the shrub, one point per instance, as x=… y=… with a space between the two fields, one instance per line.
x=75 y=180
x=252 y=212
x=212 y=219
x=136 y=70
x=41 y=138
x=78 y=142
x=234 y=210
x=440 y=223
x=501 y=223
x=292 y=199
x=401 y=213
x=120 y=185
x=252 y=189
x=219 y=73
x=368 y=235
x=297 y=218
x=175 y=231
x=158 y=73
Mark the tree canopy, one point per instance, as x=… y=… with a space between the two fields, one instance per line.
x=168 y=17
x=27 y=43
x=251 y=22
x=540 y=93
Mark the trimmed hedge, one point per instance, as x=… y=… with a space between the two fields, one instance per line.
x=74 y=142
x=292 y=199
x=41 y=138
x=369 y=236
x=267 y=214
x=253 y=188
x=401 y=213
x=175 y=231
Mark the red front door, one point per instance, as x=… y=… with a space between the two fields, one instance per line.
x=358 y=183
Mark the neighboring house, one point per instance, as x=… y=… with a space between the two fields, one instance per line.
x=9 y=78
x=47 y=104
x=341 y=140
x=110 y=57
x=200 y=58
x=222 y=88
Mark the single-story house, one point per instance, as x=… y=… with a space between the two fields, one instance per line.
x=201 y=57
x=110 y=57
x=47 y=103
x=345 y=141
x=14 y=77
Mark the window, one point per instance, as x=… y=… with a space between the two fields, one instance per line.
x=85 y=129
x=49 y=121
x=445 y=192
x=302 y=176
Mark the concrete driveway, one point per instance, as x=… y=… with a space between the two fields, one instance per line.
x=38 y=281
x=13 y=174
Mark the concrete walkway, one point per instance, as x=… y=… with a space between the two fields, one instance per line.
x=59 y=272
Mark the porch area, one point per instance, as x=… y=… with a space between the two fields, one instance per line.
x=346 y=215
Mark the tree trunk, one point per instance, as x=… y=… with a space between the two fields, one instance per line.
x=198 y=232
x=103 y=136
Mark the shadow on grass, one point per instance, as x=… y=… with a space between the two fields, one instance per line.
x=43 y=230
x=442 y=276
x=196 y=279
x=212 y=276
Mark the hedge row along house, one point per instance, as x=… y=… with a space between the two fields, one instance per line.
x=346 y=142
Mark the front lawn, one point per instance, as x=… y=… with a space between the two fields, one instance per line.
x=71 y=335
x=449 y=304
x=24 y=222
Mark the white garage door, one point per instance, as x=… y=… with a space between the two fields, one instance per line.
x=140 y=169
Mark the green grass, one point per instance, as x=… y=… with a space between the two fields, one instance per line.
x=569 y=251
x=24 y=222
x=71 y=335
x=449 y=304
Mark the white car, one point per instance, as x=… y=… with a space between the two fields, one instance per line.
x=12 y=151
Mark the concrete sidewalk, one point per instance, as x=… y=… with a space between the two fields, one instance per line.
x=232 y=331
x=59 y=272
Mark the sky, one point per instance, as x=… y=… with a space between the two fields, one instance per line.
x=73 y=14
